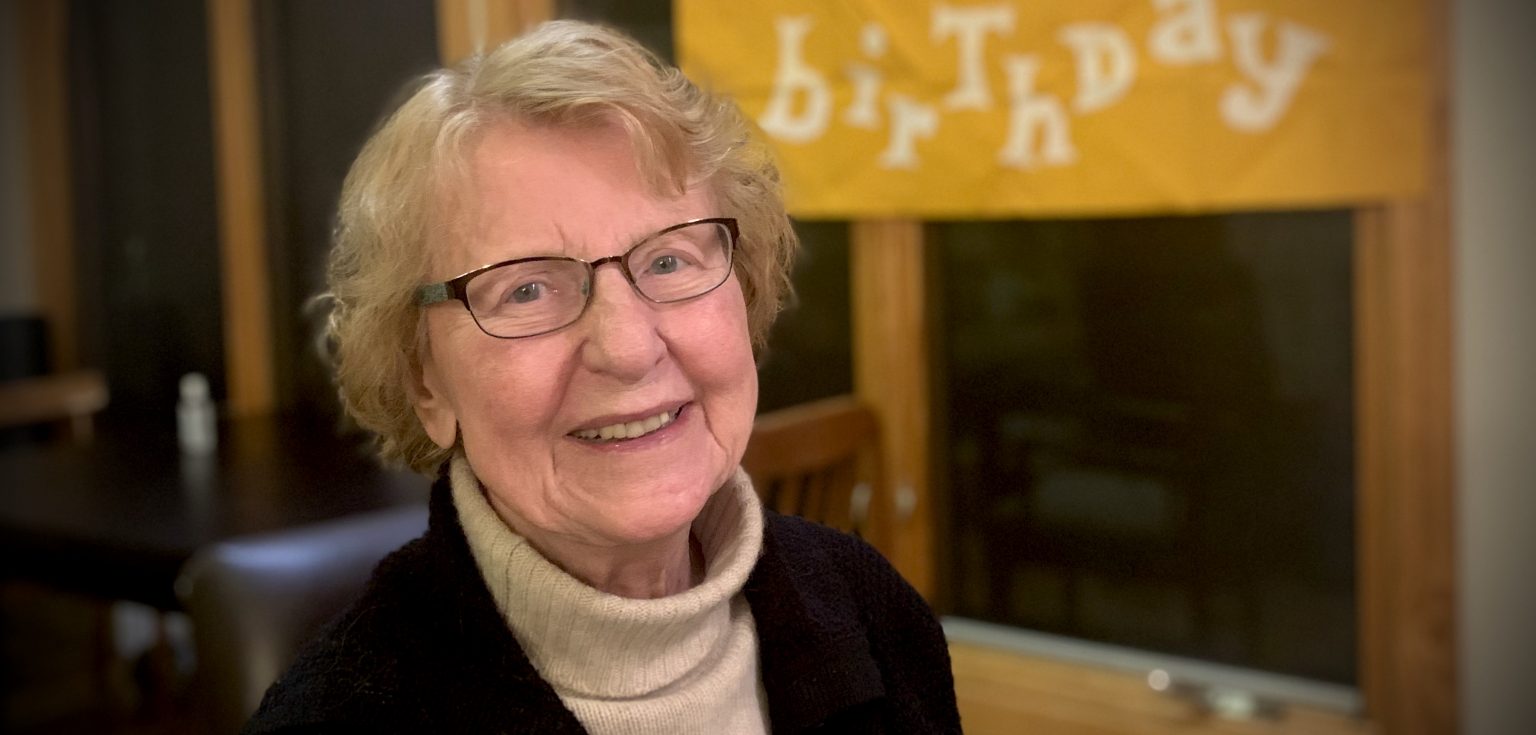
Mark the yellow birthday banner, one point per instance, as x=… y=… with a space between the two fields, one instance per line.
x=1071 y=107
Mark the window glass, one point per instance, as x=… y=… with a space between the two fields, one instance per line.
x=810 y=353
x=146 y=224
x=1146 y=433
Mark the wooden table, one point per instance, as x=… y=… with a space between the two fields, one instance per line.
x=117 y=518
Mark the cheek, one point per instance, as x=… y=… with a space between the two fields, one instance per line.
x=508 y=390
x=717 y=343
x=718 y=358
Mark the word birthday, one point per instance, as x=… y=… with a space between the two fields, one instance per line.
x=1038 y=124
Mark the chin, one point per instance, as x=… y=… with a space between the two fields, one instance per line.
x=647 y=528
x=658 y=516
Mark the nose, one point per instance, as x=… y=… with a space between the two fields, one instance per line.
x=623 y=337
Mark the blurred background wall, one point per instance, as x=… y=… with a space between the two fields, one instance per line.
x=16 y=291
x=1494 y=205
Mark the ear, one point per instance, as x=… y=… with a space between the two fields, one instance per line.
x=431 y=401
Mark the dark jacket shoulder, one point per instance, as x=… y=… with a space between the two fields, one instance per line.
x=839 y=623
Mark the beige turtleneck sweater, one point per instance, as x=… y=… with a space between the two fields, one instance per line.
x=680 y=664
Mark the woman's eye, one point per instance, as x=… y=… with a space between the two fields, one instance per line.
x=665 y=264
x=526 y=293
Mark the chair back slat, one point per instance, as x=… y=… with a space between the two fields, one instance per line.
x=807 y=460
x=70 y=399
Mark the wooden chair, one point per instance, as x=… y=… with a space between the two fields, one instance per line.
x=819 y=460
x=72 y=398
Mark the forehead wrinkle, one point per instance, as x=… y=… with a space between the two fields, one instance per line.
x=486 y=239
x=485 y=244
x=564 y=239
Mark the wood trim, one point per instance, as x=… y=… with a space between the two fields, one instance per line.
x=1405 y=449
x=1003 y=693
x=890 y=369
x=43 y=44
x=248 y=359
x=1406 y=469
x=466 y=27
x=72 y=396
x=455 y=40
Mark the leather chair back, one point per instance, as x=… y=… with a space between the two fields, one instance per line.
x=256 y=600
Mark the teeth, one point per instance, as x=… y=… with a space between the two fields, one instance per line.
x=630 y=430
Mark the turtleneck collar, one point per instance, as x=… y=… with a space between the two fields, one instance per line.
x=588 y=643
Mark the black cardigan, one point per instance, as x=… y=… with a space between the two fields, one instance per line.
x=844 y=644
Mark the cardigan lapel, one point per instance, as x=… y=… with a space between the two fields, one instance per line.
x=471 y=640
x=812 y=645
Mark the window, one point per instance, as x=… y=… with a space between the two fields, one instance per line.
x=1149 y=434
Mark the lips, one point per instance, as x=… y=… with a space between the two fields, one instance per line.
x=632 y=429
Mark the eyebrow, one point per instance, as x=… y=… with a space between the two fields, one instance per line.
x=567 y=244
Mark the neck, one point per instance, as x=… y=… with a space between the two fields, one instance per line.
x=638 y=574
x=650 y=570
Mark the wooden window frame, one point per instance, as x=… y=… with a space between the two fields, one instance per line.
x=249 y=368
x=1405 y=537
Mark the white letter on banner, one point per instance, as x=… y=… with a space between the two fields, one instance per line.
x=1105 y=60
x=1189 y=37
x=864 y=111
x=969 y=26
x=1030 y=112
x=794 y=75
x=1253 y=110
x=909 y=121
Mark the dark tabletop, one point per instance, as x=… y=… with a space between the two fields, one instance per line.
x=118 y=518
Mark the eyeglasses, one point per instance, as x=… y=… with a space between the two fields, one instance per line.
x=527 y=297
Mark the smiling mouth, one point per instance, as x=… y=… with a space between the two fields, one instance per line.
x=630 y=429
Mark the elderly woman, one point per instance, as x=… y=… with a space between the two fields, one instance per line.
x=553 y=266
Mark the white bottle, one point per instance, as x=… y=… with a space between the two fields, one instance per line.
x=196 y=422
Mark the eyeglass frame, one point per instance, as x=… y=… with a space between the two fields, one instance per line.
x=457 y=288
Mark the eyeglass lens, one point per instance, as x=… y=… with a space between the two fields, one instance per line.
x=540 y=295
